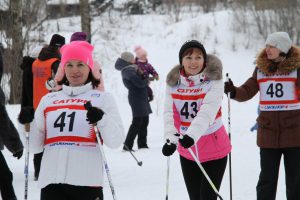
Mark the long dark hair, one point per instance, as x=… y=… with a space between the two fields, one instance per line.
x=95 y=82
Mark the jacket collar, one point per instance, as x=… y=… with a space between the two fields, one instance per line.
x=212 y=71
x=289 y=64
x=74 y=91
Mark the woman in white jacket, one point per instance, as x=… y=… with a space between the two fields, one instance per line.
x=193 y=109
x=71 y=166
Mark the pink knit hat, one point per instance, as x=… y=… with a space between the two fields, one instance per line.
x=77 y=50
x=140 y=52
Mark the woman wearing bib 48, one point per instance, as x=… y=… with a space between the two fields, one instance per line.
x=277 y=78
x=193 y=109
x=71 y=167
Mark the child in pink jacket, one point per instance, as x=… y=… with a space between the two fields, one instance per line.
x=147 y=70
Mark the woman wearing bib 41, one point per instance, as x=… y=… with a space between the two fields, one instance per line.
x=277 y=78
x=71 y=167
x=193 y=109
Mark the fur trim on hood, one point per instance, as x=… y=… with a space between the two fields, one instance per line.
x=289 y=64
x=212 y=71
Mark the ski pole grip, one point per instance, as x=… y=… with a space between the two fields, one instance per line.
x=27 y=127
x=227 y=77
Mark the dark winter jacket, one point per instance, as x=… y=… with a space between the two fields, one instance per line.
x=8 y=134
x=276 y=129
x=137 y=88
x=48 y=53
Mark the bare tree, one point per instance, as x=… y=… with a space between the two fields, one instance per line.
x=267 y=16
x=85 y=16
x=16 y=53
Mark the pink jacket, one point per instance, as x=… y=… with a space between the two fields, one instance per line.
x=204 y=125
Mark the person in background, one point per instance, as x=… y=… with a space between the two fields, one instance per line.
x=148 y=71
x=138 y=101
x=193 y=101
x=9 y=137
x=72 y=165
x=277 y=79
x=34 y=78
x=97 y=70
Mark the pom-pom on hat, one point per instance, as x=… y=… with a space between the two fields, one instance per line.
x=57 y=41
x=77 y=50
x=191 y=44
x=127 y=56
x=78 y=36
x=139 y=51
x=280 y=40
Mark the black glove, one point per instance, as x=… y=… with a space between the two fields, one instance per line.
x=26 y=115
x=18 y=154
x=229 y=87
x=94 y=115
x=186 y=141
x=169 y=148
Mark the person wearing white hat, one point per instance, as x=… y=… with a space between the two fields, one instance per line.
x=277 y=79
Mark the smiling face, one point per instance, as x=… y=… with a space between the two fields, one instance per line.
x=192 y=61
x=77 y=72
x=272 y=52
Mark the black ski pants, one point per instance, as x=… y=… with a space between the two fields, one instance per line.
x=270 y=162
x=71 y=192
x=197 y=186
x=138 y=128
x=6 y=180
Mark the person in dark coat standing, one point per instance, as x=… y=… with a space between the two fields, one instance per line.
x=138 y=100
x=9 y=138
x=36 y=73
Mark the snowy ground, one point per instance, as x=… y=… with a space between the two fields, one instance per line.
x=162 y=38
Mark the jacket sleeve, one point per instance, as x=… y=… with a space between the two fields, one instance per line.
x=9 y=133
x=208 y=111
x=55 y=66
x=152 y=70
x=248 y=89
x=37 y=132
x=169 y=114
x=27 y=81
x=111 y=126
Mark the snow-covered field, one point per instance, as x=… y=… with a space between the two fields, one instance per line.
x=162 y=38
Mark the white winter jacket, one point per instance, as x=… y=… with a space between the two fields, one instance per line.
x=69 y=162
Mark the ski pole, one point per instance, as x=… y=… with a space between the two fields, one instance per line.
x=27 y=129
x=87 y=106
x=140 y=163
x=229 y=134
x=168 y=177
x=205 y=174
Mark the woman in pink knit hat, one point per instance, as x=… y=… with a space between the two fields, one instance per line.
x=97 y=70
x=148 y=71
x=72 y=164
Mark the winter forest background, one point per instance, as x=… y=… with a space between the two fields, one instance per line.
x=234 y=30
